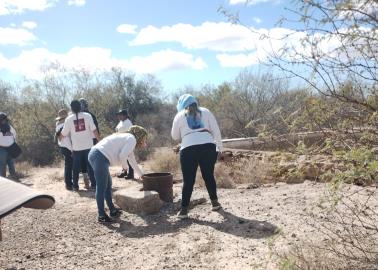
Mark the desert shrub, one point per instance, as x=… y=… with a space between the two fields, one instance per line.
x=361 y=167
x=345 y=221
x=165 y=160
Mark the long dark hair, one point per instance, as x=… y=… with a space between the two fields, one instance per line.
x=76 y=108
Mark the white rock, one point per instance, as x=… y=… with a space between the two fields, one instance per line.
x=135 y=201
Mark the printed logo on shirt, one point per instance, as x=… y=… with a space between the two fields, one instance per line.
x=79 y=125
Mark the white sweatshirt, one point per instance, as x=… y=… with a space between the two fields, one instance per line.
x=66 y=141
x=118 y=148
x=81 y=131
x=123 y=126
x=189 y=137
x=9 y=138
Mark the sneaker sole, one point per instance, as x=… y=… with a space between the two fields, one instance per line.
x=183 y=217
x=216 y=208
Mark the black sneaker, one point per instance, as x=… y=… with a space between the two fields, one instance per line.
x=183 y=214
x=116 y=212
x=122 y=174
x=69 y=188
x=75 y=189
x=104 y=219
x=215 y=205
x=129 y=177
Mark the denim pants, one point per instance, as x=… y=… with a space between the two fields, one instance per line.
x=3 y=161
x=204 y=156
x=67 y=166
x=11 y=167
x=100 y=165
x=78 y=158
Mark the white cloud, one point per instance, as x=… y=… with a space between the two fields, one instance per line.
x=30 y=63
x=29 y=24
x=221 y=36
x=257 y=20
x=251 y=2
x=166 y=60
x=238 y=60
x=127 y=28
x=20 y=6
x=16 y=36
x=78 y=3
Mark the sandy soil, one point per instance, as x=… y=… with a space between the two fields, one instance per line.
x=237 y=237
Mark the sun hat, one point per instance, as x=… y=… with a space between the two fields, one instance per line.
x=62 y=114
x=3 y=116
x=84 y=104
x=122 y=112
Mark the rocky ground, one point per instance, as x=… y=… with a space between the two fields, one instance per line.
x=240 y=236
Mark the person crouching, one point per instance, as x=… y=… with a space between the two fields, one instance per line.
x=115 y=149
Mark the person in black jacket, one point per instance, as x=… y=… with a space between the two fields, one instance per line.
x=84 y=108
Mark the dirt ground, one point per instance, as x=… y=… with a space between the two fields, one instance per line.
x=238 y=237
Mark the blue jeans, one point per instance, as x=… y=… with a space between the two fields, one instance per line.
x=67 y=166
x=3 y=161
x=78 y=158
x=100 y=165
x=11 y=168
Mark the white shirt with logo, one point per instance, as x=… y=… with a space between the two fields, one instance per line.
x=66 y=141
x=80 y=128
x=8 y=138
x=123 y=126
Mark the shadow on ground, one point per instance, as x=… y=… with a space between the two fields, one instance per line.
x=166 y=222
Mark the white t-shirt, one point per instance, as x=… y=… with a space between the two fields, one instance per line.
x=66 y=141
x=123 y=126
x=182 y=131
x=80 y=130
x=8 y=138
x=118 y=148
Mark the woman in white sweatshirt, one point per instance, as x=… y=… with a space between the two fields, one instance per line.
x=115 y=149
x=7 y=138
x=201 y=142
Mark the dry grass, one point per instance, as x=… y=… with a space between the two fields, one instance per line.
x=346 y=223
x=23 y=169
x=165 y=160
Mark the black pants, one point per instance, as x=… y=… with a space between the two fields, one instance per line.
x=130 y=172
x=80 y=157
x=67 y=166
x=205 y=156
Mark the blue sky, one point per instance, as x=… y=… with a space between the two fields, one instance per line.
x=181 y=42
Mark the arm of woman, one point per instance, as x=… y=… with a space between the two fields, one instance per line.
x=127 y=154
x=175 y=132
x=215 y=131
x=13 y=131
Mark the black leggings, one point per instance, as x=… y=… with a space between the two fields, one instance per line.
x=205 y=156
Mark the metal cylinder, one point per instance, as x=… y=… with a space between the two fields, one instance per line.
x=162 y=183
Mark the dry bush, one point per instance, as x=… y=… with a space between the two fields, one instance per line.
x=251 y=170
x=347 y=233
x=165 y=160
x=222 y=177
x=23 y=168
